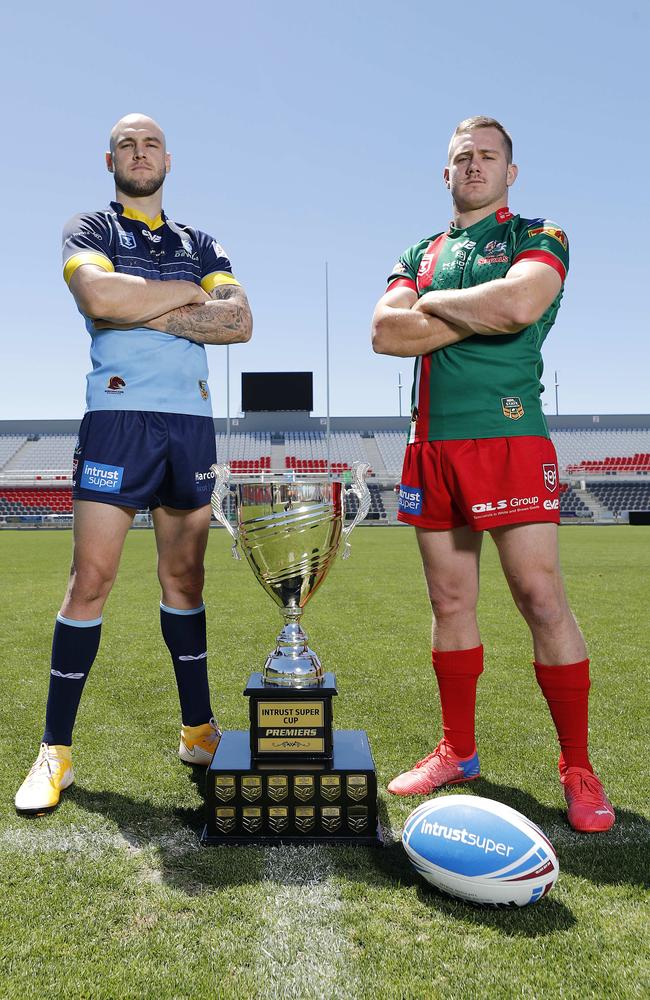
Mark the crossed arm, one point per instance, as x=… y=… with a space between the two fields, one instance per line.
x=179 y=308
x=405 y=326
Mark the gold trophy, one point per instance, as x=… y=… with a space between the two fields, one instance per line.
x=309 y=782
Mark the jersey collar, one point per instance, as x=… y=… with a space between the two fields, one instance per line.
x=496 y=218
x=132 y=213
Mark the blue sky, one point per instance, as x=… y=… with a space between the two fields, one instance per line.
x=306 y=132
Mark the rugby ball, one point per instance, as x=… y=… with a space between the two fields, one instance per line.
x=480 y=851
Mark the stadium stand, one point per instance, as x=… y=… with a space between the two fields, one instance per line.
x=575 y=446
x=245 y=452
x=571 y=504
x=9 y=445
x=618 y=497
x=36 y=501
x=604 y=461
x=391 y=446
x=44 y=452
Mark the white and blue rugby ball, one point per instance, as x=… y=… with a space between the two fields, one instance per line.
x=480 y=851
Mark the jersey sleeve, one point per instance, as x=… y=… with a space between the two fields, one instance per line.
x=542 y=240
x=404 y=272
x=216 y=268
x=86 y=240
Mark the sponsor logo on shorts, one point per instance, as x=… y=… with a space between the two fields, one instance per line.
x=203 y=388
x=551 y=505
x=115 y=384
x=511 y=407
x=410 y=499
x=495 y=506
x=101 y=477
x=550 y=476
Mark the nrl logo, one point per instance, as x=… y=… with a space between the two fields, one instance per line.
x=511 y=407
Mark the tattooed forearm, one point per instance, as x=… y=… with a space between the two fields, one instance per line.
x=226 y=319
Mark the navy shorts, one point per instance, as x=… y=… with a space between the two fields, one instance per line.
x=132 y=458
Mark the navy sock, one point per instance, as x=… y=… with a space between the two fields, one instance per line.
x=184 y=633
x=74 y=648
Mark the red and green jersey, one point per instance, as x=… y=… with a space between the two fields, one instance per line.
x=484 y=386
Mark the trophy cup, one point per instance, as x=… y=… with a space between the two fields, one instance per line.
x=291 y=778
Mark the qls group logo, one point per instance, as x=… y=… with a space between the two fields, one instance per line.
x=410 y=499
x=101 y=478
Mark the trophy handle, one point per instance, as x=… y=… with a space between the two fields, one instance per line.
x=219 y=493
x=360 y=490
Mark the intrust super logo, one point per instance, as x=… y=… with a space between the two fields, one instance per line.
x=101 y=477
x=410 y=499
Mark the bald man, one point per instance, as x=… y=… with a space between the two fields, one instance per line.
x=153 y=293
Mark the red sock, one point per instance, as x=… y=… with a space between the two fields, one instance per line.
x=566 y=689
x=458 y=671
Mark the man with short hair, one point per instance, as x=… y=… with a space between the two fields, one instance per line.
x=153 y=293
x=473 y=305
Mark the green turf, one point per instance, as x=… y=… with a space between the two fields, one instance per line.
x=110 y=896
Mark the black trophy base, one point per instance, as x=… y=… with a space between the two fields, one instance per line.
x=292 y=802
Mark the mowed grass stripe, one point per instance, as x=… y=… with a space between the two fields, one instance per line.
x=111 y=893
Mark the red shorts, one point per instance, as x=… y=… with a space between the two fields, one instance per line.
x=481 y=482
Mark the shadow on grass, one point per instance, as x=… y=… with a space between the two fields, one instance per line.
x=614 y=858
x=173 y=836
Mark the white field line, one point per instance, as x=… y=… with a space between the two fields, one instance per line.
x=303 y=954
x=30 y=838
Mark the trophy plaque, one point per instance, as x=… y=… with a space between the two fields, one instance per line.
x=292 y=777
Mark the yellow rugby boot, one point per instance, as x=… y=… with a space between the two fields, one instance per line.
x=198 y=743
x=49 y=775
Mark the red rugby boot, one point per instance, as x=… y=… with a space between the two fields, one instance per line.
x=590 y=811
x=442 y=767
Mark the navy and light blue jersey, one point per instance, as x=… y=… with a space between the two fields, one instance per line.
x=144 y=369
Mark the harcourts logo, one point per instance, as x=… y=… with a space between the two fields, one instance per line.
x=100 y=477
x=410 y=499
x=464 y=836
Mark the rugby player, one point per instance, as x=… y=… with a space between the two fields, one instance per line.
x=153 y=293
x=473 y=305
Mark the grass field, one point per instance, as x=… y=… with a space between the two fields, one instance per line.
x=110 y=896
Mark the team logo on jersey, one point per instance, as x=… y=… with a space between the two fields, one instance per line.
x=203 y=388
x=152 y=236
x=511 y=407
x=548 y=230
x=550 y=476
x=115 y=384
x=494 y=253
x=127 y=240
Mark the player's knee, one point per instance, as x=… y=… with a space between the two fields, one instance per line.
x=90 y=584
x=452 y=603
x=186 y=581
x=541 y=604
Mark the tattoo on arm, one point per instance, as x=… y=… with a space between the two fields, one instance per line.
x=226 y=319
